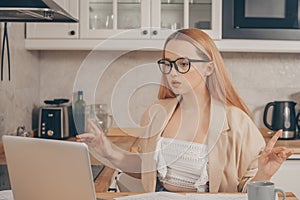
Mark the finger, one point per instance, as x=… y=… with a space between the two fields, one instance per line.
x=277 y=158
x=273 y=141
x=84 y=137
x=280 y=154
x=274 y=150
x=288 y=154
x=94 y=127
x=278 y=149
x=85 y=140
x=285 y=154
x=81 y=139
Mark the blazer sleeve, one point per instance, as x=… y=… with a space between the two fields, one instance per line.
x=252 y=143
x=140 y=142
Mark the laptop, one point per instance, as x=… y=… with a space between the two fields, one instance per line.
x=46 y=169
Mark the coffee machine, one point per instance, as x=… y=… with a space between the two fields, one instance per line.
x=56 y=120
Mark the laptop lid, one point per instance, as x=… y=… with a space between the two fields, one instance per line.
x=45 y=169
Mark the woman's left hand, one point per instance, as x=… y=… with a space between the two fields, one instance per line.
x=271 y=159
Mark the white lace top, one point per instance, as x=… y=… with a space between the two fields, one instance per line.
x=182 y=163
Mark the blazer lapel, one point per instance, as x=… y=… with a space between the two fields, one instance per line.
x=160 y=114
x=216 y=143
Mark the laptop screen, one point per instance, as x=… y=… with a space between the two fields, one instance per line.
x=48 y=169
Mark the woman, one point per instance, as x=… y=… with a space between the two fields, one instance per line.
x=199 y=135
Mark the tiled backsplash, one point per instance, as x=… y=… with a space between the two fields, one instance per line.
x=258 y=77
x=264 y=77
x=131 y=80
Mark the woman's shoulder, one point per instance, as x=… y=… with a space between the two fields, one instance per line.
x=242 y=124
x=239 y=120
x=242 y=127
x=234 y=112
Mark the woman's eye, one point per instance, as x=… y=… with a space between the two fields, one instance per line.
x=183 y=64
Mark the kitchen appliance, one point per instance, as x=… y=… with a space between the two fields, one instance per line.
x=283 y=117
x=256 y=19
x=21 y=131
x=298 y=123
x=33 y=11
x=4 y=178
x=56 y=120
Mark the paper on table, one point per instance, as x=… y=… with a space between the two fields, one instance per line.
x=6 y=195
x=220 y=196
x=176 y=196
x=154 y=195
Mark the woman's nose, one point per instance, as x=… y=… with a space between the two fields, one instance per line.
x=174 y=72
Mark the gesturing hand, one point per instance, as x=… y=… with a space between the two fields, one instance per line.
x=96 y=141
x=271 y=158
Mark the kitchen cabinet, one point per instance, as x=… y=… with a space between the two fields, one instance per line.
x=134 y=24
x=288 y=175
x=148 y=19
x=56 y=30
x=137 y=21
x=102 y=19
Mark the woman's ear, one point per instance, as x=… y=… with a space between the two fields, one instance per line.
x=209 y=69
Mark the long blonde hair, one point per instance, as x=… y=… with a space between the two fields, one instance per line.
x=218 y=83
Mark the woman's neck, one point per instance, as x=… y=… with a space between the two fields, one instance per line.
x=193 y=116
x=197 y=98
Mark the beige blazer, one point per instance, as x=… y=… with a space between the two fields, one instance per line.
x=234 y=143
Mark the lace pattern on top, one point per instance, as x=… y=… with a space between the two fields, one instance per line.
x=182 y=163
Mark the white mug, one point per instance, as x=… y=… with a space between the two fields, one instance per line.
x=263 y=191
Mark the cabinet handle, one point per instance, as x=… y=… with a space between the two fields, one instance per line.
x=154 y=32
x=145 y=32
x=72 y=32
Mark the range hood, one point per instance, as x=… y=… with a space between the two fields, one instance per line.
x=33 y=11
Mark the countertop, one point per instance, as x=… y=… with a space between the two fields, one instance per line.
x=111 y=195
x=291 y=144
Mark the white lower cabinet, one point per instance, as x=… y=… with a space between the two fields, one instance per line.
x=288 y=176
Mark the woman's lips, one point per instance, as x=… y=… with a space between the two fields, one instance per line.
x=175 y=84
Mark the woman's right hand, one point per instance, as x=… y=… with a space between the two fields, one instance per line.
x=96 y=141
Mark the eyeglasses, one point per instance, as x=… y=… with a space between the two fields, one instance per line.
x=182 y=65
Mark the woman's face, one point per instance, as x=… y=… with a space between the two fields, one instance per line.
x=184 y=83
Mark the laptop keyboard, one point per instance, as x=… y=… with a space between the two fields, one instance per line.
x=4 y=178
x=96 y=170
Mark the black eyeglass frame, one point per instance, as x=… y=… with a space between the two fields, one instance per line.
x=173 y=63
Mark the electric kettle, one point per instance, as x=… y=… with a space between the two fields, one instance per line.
x=283 y=117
